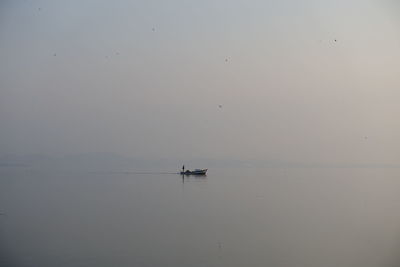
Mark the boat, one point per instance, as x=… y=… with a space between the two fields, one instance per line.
x=195 y=172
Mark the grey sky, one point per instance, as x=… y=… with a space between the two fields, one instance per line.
x=309 y=81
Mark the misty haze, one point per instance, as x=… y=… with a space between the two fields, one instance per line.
x=291 y=108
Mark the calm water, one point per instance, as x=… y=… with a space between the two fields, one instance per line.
x=244 y=217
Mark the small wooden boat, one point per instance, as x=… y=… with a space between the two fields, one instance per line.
x=195 y=172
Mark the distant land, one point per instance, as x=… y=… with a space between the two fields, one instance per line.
x=104 y=161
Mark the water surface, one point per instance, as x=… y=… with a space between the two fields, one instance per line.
x=233 y=217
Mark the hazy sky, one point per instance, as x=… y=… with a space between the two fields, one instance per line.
x=146 y=78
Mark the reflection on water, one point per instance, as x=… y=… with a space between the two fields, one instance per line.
x=193 y=178
x=243 y=217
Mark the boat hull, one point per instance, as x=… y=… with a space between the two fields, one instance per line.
x=195 y=172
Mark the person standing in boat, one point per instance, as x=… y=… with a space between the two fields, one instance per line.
x=183 y=168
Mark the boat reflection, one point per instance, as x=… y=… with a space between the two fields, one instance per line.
x=193 y=177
